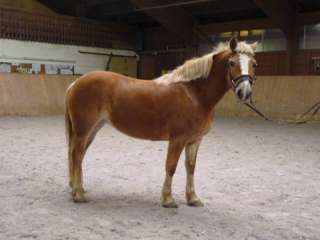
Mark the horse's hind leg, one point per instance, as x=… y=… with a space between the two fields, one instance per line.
x=79 y=146
x=190 y=163
x=77 y=154
x=174 y=150
x=70 y=161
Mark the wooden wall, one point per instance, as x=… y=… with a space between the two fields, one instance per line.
x=270 y=63
x=147 y=67
x=280 y=97
x=152 y=66
x=124 y=65
x=27 y=95
x=304 y=63
x=273 y=63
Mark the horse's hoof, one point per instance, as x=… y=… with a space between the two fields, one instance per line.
x=170 y=204
x=81 y=199
x=195 y=203
x=78 y=196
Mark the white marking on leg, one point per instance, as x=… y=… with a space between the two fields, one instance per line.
x=190 y=164
x=190 y=184
x=191 y=154
x=167 y=186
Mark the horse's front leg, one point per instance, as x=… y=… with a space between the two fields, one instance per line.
x=190 y=163
x=174 y=150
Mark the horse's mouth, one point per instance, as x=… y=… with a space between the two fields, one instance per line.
x=244 y=91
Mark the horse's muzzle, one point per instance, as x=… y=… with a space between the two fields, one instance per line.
x=243 y=88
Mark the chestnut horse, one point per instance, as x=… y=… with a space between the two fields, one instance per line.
x=177 y=107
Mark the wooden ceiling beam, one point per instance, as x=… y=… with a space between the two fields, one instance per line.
x=281 y=12
x=308 y=18
x=259 y=23
x=93 y=3
x=234 y=26
x=174 y=20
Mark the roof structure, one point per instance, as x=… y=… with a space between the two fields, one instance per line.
x=137 y=12
x=194 y=20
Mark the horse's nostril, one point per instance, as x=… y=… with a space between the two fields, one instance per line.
x=240 y=94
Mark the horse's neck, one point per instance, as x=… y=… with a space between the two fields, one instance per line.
x=209 y=91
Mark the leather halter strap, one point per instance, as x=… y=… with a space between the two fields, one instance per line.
x=241 y=78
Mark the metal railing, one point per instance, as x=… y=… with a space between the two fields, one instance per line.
x=21 y=25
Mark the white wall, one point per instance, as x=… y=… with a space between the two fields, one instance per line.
x=14 y=51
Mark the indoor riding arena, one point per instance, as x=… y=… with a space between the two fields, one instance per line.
x=159 y=119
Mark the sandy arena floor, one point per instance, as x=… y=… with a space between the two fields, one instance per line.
x=258 y=180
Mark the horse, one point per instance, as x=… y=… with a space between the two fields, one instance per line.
x=177 y=107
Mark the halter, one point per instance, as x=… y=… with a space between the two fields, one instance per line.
x=236 y=82
x=241 y=78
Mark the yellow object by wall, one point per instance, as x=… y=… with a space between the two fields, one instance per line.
x=124 y=65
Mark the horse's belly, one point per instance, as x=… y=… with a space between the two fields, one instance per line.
x=143 y=127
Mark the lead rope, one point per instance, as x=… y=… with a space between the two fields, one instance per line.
x=250 y=104
x=254 y=108
x=315 y=108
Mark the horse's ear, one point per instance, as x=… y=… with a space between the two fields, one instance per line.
x=254 y=46
x=233 y=43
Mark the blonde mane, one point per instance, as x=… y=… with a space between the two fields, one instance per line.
x=199 y=67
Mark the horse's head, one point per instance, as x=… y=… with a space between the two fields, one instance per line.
x=241 y=68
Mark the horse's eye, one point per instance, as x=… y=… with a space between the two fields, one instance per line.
x=232 y=63
x=255 y=65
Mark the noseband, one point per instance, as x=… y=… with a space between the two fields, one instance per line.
x=244 y=77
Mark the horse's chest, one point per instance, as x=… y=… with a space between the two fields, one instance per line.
x=202 y=126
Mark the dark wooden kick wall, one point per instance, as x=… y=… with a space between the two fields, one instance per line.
x=270 y=63
x=159 y=40
x=273 y=63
